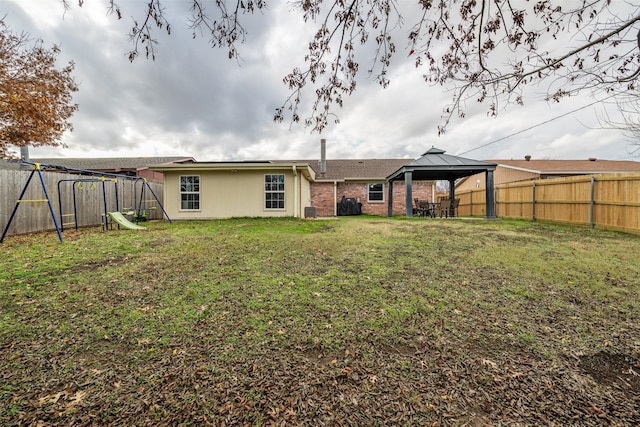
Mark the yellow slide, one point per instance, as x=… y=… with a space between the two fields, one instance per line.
x=120 y=219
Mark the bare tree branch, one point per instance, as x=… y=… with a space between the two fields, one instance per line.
x=488 y=49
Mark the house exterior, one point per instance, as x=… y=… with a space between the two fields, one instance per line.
x=364 y=180
x=527 y=169
x=206 y=190
x=130 y=166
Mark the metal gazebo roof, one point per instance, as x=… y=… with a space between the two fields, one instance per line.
x=436 y=165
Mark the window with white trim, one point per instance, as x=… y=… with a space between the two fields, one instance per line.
x=274 y=191
x=376 y=192
x=190 y=193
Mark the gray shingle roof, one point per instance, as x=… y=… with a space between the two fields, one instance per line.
x=572 y=166
x=110 y=163
x=353 y=168
x=10 y=164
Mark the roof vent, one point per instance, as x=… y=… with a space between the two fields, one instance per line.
x=527 y=157
x=592 y=159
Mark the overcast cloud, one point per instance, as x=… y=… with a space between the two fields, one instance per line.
x=192 y=100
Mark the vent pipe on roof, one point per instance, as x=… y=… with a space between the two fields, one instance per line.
x=323 y=157
x=527 y=157
x=24 y=156
x=24 y=153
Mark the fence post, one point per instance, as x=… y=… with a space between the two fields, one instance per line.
x=533 y=202
x=592 y=204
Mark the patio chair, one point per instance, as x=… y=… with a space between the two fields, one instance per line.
x=418 y=208
x=425 y=208
x=434 y=208
x=445 y=205
x=454 y=207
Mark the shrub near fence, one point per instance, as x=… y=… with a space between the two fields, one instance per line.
x=35 y=216
x=606 y=201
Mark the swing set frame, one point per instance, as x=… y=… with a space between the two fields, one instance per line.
x=94 y=177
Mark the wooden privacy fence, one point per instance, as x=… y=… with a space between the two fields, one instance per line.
x=92 y=195
x=606 y=201
x=472 y=203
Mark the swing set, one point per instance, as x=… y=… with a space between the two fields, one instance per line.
x=138 y=210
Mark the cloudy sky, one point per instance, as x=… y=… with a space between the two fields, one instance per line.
x=192 y=100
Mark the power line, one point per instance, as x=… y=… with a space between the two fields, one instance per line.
x=535 y=126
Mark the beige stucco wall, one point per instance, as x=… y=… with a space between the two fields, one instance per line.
x=501 y=175
x=226 y=194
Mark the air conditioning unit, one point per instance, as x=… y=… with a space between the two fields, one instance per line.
x=310 y=212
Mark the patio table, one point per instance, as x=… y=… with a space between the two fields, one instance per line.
x=428 y=209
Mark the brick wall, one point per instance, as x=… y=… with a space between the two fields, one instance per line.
x=322 y=196
x=419 y=190
x=151 y=176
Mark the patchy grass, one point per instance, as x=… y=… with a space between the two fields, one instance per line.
x=360 y=321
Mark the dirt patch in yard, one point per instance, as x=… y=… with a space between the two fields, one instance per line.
x=613 y=370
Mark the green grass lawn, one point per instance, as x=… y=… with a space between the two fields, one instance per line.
x=356 y=321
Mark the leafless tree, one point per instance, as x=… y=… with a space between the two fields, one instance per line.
x=484 y=50
x=627 y=119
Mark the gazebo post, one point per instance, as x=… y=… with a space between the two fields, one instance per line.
x=490 y=195
x=408 y=182
x=452 y=196
x=390 y=199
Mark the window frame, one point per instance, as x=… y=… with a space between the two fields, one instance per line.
x=381 y=192
x=280 y=190
x=189 y=193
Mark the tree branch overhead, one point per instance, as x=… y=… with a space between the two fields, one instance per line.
x=487 y=50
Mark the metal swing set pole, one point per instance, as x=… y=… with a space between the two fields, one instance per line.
x=146 y=184
x=142 y=204
x=75 y=202
x=36 y=168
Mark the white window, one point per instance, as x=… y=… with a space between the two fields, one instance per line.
x=376 y=192
x=274 y=191
x=190 y=193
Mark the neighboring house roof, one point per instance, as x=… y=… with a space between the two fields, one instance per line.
x=10 y=164
x=571 y=167
x=352 y=169
x=116 y=164
x=336 y=170
x=540 y=169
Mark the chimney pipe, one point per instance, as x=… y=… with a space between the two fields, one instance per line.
x=24 y=153
x=24 y=156
x=323 y=157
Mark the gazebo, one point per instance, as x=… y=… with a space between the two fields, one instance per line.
x=436 y=165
